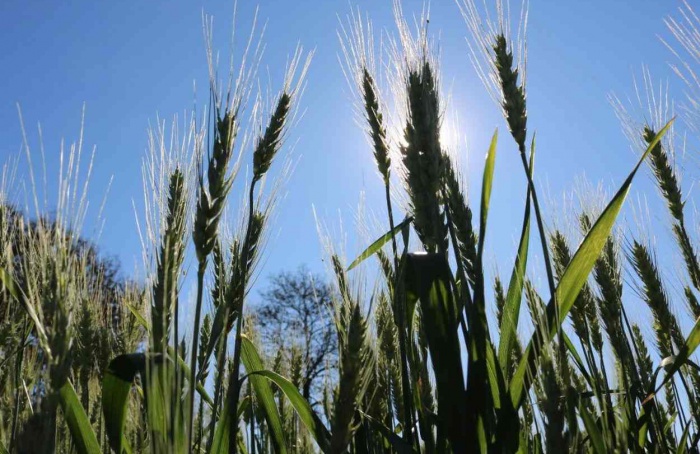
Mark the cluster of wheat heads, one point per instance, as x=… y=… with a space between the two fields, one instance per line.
x=420 y=367
x=444 y=381
x=64 y=312
x=140 y=392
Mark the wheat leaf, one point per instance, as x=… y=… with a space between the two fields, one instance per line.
x=379 y=242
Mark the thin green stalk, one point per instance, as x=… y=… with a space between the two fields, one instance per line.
x=252 y=421
x=200 y=426
x=218 y=386
x=234 y=380
x=464 y=290
x=195 y=341
x=540 y=225
x=175 y=389
x=390 y=211
x=405 y=384
x=15 y=409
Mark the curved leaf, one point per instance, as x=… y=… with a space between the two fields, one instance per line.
x=381 y=241
x=682 y=443
x=306 y=414
x=592 y=430
x=221 y=434
x=139 y=318
x=486 y=185
x=252 y=362
x=9 y=283
x=81 y=432
x=116 y=385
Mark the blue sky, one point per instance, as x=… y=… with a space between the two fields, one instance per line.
x=129 y=61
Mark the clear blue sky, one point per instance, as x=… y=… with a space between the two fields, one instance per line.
x=130 y=60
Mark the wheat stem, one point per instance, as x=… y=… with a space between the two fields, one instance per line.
x=234 y=380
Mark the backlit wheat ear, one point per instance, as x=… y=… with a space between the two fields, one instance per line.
x=422 y=155
x=645 y=365
x=387 y=351
x=387 y=268
x=219 y=286
x=670 y=189
x=692 y=301
x=500 y=299
x=269 y=143
x=516 y=348
x=171 y=255
x=357 y=41
x=665 y=175
x=561 y=255
x=499 y=57
x=375 y=122
x=243 y=258
x=356 y=361
x=666 y=325
x=212 y=199
x=460 y=218
x=341 y=278
x=607 y=274
x=513 y=94
x=417 y=92
x=354 y=375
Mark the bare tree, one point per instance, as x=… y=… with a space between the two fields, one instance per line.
x=296 y=311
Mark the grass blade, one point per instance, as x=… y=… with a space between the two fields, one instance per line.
x=593 y=431
x=306 y=414
x=399 y=445
x=139 y=318
x=252 y=362
x=221 y=434
x=486 y=185
x=9 y=284
x=380 y=242
x=116 y=385
x=682 y=447
x=82 y=435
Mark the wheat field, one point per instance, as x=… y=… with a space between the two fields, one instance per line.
x=91 y=365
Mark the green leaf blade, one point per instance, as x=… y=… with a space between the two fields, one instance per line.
x=252 y=362
x=380 y=242
x=306 y=414
x=486 y=186
x=82 y=435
